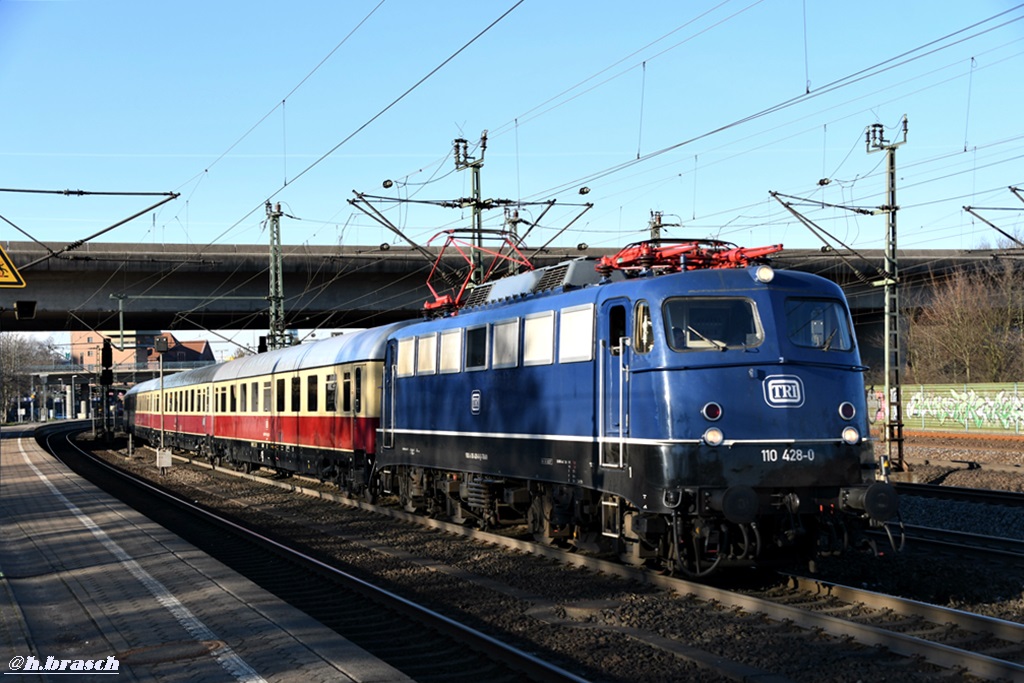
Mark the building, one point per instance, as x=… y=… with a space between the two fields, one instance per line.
x=134 y=352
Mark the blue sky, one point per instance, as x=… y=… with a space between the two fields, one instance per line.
x=231 y=104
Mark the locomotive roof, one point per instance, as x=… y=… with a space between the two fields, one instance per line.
x=566 y=275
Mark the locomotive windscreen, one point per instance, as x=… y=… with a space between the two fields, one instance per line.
x=819 y=324
x=701 y=323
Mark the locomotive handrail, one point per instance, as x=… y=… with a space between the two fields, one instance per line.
x=741 y=364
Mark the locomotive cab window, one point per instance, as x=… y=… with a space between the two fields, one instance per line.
x=711 y=323
x=643 y=328
x=818 y=324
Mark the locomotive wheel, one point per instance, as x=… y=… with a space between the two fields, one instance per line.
x=538 y=518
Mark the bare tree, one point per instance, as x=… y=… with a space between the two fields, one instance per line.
x=18 y=354
x=971 y=330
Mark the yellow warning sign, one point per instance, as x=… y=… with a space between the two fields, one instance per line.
x=9 y=275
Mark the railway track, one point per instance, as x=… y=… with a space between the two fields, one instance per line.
x=422 y=643
x=958 y=493
x=984 y=647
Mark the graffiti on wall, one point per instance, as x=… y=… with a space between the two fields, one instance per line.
x=998 y=408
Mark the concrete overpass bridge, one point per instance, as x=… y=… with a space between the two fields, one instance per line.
x=99 y=286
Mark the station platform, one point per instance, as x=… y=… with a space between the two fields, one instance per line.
x=89 y=586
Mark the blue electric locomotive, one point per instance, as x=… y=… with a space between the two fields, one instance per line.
x=701 y=417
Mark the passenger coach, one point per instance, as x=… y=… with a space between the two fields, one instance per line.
x=311 y=409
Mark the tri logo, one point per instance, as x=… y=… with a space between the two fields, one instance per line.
x=783 y=391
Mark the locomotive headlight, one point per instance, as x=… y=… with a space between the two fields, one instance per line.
x=764 y=274
x=847 y=411
x=713 y=436
x=851 y=435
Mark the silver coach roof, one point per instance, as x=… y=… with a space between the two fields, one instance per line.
x=344 y=348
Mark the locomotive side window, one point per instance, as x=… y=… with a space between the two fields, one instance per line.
x=426 y=354
x=476 y=348
x=407 y=357
x=643 y=328
x=717 y=323
x=506 y=344
x=576 y=334
x=451 y=351
x=539 y=339
x=616 y=328
x=818 y=324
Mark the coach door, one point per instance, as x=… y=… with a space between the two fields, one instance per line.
x=387 y=403
x=613 y=361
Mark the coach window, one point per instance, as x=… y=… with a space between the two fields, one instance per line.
x=476 y=348
x=223 y=408
x=426 y=354
x=346 y=393
x=296 y=394
x=234 y=398
x=539 y=339
x=506 y=344
x=311 y=393
x=576 y=334
x=267 y=396
x=254 y=395
x=643 y=328
x=451 y=351
x=331 y=393
x=280 y=395
x=243 y=402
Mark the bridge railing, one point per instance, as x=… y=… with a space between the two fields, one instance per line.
x=87 y=369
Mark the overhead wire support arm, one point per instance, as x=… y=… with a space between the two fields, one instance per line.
x=973 y=210
x=818 y=231
x=586 y=207
x=75 y=245
x=362 y=202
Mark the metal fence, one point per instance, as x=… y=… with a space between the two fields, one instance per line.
x=989 y=409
